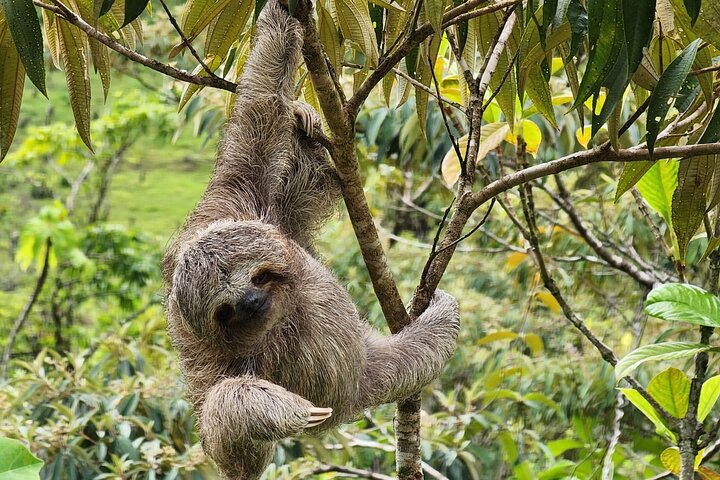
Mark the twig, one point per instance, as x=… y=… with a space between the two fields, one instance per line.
x=605 y=352
x=71 y=17
x=356 y=472
x=608 y=465
x=659 y=238
x=427 y=89
x=25 y=312
x=185 y=40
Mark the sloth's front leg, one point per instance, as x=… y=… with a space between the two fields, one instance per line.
x=248 y=409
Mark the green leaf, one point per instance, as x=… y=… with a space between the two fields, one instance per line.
x=22 y=20
x=707 y=25
x=631 y=174
x=355 y=24
x=655 y=352
x=226 y=28
x=12 y=80
x=689 y=200
x=606 y=17
x=708 y=397
x=684 y=303
x=105 y=7
x=671 y=389
x=644 y=406
x=133 y=9
x=666 y=89
x=693 y=10
x=16 y=461
x=712 y=132
x=483 y=31
x=74 y=60
x=508 y=446
x=658 y=185
x=434 y=10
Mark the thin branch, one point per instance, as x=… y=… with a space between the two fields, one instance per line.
x=25 y=312
x=659 y=238
x=71 y=17
x=605 y=352
x=427 y=89
x=356 y=472
x=602 y=153
x=452 y=17
x=185 y=40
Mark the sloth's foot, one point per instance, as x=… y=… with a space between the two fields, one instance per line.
x=307 y=118
x=317 y=416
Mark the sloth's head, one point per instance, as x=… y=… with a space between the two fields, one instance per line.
x=234 y=283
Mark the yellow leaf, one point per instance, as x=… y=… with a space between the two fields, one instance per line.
x=50 y=26
x=583 y=136
x=12 y=80
x=534 y=343
x=514 y=260
x=74 y=60
x=330 y=39
x=549 y=301
x=497 y=336
x=670 y=458
x=529 y=132
x=491 y=136
x=101 y=63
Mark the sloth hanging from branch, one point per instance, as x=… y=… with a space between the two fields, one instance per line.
x=270 y=344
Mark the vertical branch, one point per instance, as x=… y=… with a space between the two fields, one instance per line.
x=25 y=312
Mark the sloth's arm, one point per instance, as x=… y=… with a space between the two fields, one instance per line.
x=249 y=409
x=399 y=365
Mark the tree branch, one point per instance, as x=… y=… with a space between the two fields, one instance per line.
x=151 y=63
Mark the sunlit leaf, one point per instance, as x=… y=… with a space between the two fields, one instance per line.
x=355 y=25
x=684 y=303
x=508 y=446
x=491 y=136
x=504 y=335
x=658 y=185
x=671 y=389
x=656 y=352
x=16 y=461
x=226 y=28
x=549 y=301
x=708 y=397
x=534 y=343
x=670 y=458
x=644 y=406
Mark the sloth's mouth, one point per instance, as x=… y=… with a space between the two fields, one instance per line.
x=243 y=313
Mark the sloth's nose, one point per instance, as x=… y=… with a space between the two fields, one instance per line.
x=251 y=302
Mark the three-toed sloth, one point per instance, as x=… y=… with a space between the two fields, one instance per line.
x=270 y=344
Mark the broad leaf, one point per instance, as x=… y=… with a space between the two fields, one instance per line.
x=226 y=28
x=693 y=9
x=12 y=80
x=689 y=200
x=671 y=389
x=707 y=25
x=708 y=397
x=74 y=60
x=22 y=20
x=684 y=303
x=656 y=352
x=491 y=136
x=354 y=18
x=644 y=406
x=658 y=185
x=606 y=36
x=666 y=89
x=434 y=10
x=670 y=458
x=16 y=461
x=133 y=9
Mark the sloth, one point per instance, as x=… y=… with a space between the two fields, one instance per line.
x=269 y=342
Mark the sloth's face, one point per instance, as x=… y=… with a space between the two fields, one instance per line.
x=233 y=283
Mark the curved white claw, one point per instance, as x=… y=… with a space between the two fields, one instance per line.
x=318 y=415
x=306 y=117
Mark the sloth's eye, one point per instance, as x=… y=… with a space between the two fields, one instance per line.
x=262 y=278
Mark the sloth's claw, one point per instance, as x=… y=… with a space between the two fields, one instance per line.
x=317 y=416
x=307 y=118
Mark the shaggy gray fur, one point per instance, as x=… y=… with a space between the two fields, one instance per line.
x=264 y=332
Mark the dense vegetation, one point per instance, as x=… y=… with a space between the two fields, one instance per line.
x=89 y=382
